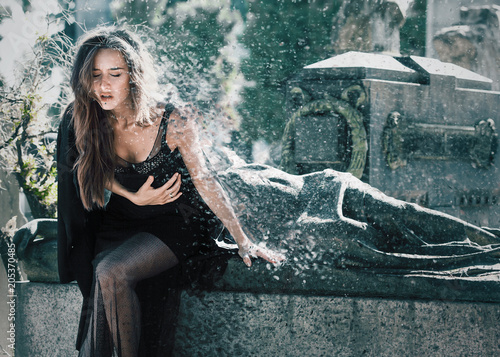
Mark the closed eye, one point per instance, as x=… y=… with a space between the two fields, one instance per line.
x=116 y=75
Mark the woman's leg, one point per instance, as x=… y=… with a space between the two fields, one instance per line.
x=117 y=271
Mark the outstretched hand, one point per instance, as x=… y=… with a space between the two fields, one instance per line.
x=255 y=251
x=150 y=196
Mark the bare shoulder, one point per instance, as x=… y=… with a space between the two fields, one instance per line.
x=157 y=113
x=182 y=127
x=183 y=119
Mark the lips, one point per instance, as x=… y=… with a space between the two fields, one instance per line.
x=106 y=98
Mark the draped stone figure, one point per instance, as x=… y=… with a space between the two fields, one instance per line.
x=333 y=217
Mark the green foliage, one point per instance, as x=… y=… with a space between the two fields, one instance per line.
x=23 y=152
x=280 y=37
x=412 y=34
x=283 y=37
x=188 y=40
x=26 y=121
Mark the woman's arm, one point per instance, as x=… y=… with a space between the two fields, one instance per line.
x=182 y=133
x=147 y=195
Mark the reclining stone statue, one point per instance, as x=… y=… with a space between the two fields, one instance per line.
x=328 y=217
x=333 y=217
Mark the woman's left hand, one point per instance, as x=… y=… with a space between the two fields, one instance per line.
x=250 y=249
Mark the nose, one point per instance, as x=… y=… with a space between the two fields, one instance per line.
x=105 y=83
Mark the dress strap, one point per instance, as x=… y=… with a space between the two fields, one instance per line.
x=169 y=108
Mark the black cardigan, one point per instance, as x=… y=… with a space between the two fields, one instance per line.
x=76 y=226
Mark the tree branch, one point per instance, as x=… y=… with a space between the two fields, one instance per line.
x=12 y=137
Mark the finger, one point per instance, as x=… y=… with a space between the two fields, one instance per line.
x=176 y=187
x=148 y=182
x=247 y=260
x=168 y=198
x=171 y=181
x=173 y=193
x=266 y=257
x=270 y=256
x=165 y=198
x=173 y=197
x=245 y=256
x=276 y=256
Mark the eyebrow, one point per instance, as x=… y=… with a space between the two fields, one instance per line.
x=111 y=69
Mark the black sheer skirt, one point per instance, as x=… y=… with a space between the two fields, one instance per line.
x=137 y=282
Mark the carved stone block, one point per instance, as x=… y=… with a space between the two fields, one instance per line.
x=442 y=147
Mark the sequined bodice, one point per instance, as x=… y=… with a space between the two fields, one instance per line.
x=161 y=163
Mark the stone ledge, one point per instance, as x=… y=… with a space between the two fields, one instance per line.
x=327 y=280
x=249 y=324
x=47 y=319
x=242 y=324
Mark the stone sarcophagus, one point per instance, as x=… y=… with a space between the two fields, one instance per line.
x=416 y=128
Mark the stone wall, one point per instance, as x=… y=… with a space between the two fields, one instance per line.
x=242 y=324
x=226 y=323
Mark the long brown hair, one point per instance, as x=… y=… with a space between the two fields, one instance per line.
x=93 y=131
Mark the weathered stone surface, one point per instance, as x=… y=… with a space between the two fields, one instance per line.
x=325 y=280
x=242 y=324
x=36 y=249
x=356 y=65
x=47 y=319
x=9 y=199
x=372 y=25
x=249 y=324
x=441 y=14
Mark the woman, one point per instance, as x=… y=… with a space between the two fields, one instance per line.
x=116 y=137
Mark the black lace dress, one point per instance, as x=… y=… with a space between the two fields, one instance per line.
x=184 y=225
x=187 y=226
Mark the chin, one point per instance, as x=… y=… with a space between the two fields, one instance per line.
x=107 y=106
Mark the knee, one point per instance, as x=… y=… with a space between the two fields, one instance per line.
x=112 y=277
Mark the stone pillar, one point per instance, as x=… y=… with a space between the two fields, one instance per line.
x=441 y=14
x=474 y=43
x=368 y=26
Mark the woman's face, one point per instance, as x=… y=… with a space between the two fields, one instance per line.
x=111 y=80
